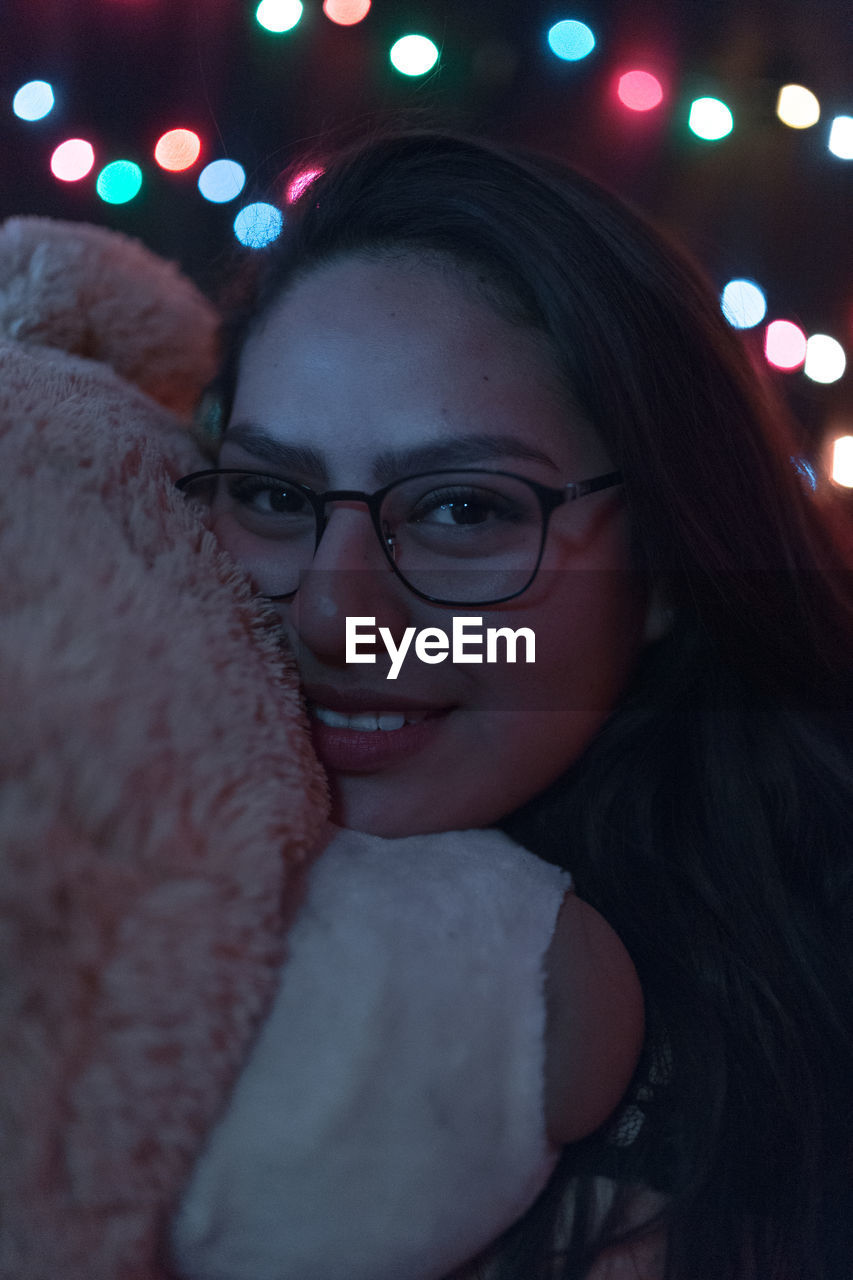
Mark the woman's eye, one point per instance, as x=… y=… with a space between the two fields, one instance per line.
x=461 y=507
x=267 y=496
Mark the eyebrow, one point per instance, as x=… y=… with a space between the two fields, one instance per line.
x=285 y=457
x=391 y=464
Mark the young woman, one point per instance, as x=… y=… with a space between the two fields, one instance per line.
x=495 y=393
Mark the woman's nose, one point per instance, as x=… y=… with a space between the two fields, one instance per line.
x=348 y=577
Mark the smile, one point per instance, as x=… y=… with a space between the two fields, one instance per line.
x=373 y=738
x=366 y=721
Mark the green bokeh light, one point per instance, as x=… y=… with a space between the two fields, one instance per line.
x=119 y=182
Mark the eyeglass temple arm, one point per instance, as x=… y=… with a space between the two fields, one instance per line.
x=582 y=487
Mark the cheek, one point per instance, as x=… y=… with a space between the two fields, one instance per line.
x=588 y=627
x=538 y=718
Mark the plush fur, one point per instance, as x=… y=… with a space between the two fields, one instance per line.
x=157 y=788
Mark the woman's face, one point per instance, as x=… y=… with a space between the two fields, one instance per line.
x=357 y=370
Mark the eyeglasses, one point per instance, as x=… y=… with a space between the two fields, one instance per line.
x=461 y=537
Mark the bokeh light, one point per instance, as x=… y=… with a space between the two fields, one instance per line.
x=346 y=12
x=221 y=181
x=299 y=184
x=414 y=55
x=744 y=304
x=842 y=461
x=806 y=471
x=33 y=101
x=177 y=150
x=639 y=90
x=841 y=137
x=571 y=40
x=825 y=358
x=710 y=119
x=119 y=182
x=72 y=160
x=797 y=107
x=784 y=345
x=279 y=15
x=258 y=224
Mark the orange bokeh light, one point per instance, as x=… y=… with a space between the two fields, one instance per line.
x=346 y=12
x=177 y=150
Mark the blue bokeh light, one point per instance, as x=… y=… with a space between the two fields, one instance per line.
x=744 y=304
x=221 y=181
x=258 y=224
x=571 y=40
x=33 y=101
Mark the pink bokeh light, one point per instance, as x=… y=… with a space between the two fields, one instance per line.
x=639 y=90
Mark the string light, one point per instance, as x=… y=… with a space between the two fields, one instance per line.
x=72 y=160
x=221 y=181
x=258 y=224
x=639 y=90
x=744 y=304
x=177 y=150
x=825 y=359
x=279 y=15
x=797 y=107
x=784 y=345
x=710 y=119
x=119 y=182
x=346 y=13
x=414 y=55
x=33 y=101
x=841 y=137
x=571 y=40
x=842 y=461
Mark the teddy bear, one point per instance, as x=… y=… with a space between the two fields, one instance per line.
x=157 y=788
x=236 y=1042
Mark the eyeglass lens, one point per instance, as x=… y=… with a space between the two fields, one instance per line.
x=463 y=537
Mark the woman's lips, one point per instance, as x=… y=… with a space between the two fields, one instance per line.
x=347 y=742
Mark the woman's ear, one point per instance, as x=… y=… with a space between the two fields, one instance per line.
x=659 y=615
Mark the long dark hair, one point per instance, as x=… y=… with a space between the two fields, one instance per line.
x=710 y=819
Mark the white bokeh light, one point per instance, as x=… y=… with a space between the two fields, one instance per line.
x=279 y=15
x=414 y=55
x=825 y=358
x=841 y=137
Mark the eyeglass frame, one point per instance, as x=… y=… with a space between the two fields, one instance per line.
x=549 y=499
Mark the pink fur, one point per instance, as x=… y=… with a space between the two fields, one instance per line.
x=102 y=295
x=157 y=788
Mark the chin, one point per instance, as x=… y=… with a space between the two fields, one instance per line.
x=388 y=812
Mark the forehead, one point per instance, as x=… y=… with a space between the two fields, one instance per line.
x=361 y=354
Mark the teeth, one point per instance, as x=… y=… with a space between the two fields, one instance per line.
x=367 y=721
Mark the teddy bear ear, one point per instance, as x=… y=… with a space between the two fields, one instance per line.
x=99 y=294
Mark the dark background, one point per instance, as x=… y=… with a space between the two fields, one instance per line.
x=767 y=202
